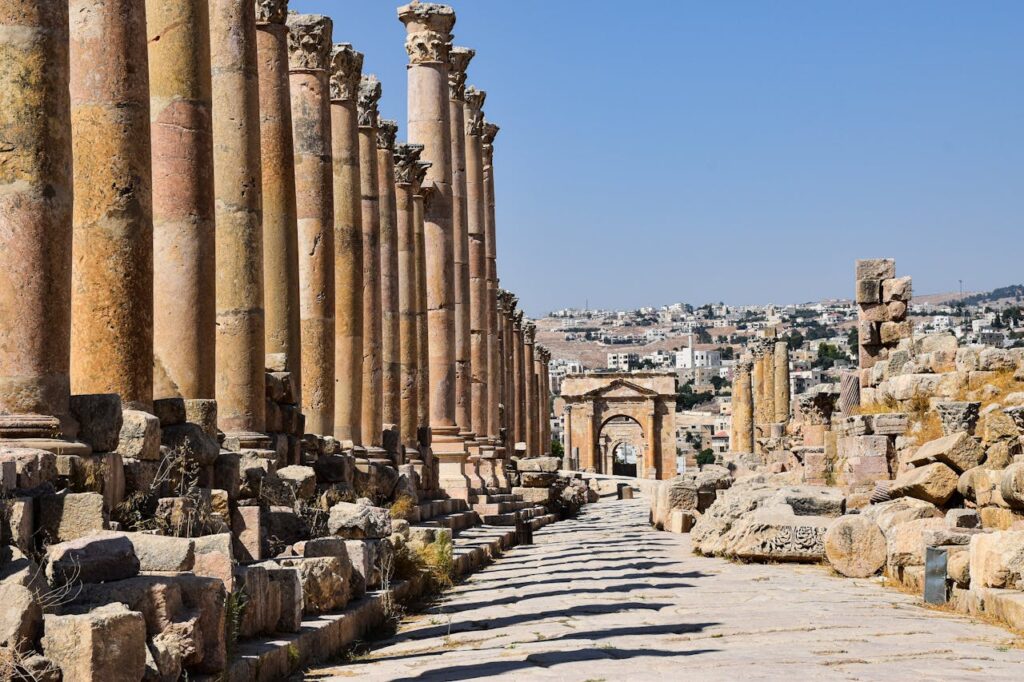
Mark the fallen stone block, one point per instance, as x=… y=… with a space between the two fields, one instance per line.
x=301 y=480
x=536 y=479
x=214 y=558
x=933 y=483
x=82 y=645
x=1011 y=485
x=191 y=442
x=901 y=510
x=163 y=553
x=140 y=436
x=289 y=583
x=21 y=617
x=32 y=467
x=776 y=534
x=366 y=557
x=905 y=542
x=959 y=451
x=250 y=533
x=95 y=559
x=325 y=582
x=359 y=521
x=997 y=560
x=548 y=465
x=963 y=518
x=66 y=516
x=99 y=419
x=855 y=546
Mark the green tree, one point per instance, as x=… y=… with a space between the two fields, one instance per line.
x=853 y=338
x=795 y=340
x=706 y=456
x=557 y=450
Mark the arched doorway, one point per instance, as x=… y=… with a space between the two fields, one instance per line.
x=622 y=439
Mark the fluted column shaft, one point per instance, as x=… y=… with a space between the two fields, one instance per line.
x=372 y=418
x=35 y=218
x=184 y=272
x=346 y=67
x=391 y=365
x=309 y=50
x=112 y=274
x=238 y=178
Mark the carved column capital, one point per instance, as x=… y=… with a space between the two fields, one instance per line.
x=517 y=320
x=490 y=132
x=309 y=42
x=346 y=67
x=458 y=61
x=387 y=131
x=529 y=333
x=407 y=164
x=475 y=111
x=428 y=31
x=369 y=97
x=271 y=11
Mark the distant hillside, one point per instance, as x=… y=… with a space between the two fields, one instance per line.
x=1014 y=291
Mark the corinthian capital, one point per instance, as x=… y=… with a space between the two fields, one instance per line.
x=346 y=67
x=543 y=354
x=309 y=42
x=490 y=132
x=529 y=333
x=387 y=131
x=475 y=111
x=407 y=160
x=517 y=320
x=271 y=11
x=369 y=96
x=458 y=61
x=428 y=31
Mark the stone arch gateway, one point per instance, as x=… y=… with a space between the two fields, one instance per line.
x=593 y=401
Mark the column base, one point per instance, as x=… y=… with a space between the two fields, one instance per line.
x=54 y=445
x=41 y=432
x=377 y=455
x=449 y=450
x=236 y=441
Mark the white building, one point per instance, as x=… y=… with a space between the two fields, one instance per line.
x=623 y=362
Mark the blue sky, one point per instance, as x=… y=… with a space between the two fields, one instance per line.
x=740 y=150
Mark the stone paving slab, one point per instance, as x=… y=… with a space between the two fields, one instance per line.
x=604 y=597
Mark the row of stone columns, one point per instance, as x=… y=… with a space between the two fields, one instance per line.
x=240 y=207
x=760 y=393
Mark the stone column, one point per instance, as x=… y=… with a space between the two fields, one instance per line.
x=309 y=54
x=518 y=375
x=280 y=230
x=493 y=350
x=409 y=171
x=544 y=401
x=509 y=396
x=346 y=69
x=422 y=337
x=112 y=273
x=391 y=365
x=184 y=235
x=458 y=62
x=372 y=418
x=240 y=344
x=781 y=364
x=479 y=310
x=35 y=222
x=428 y=29
x=742 y=408
x=531 y=404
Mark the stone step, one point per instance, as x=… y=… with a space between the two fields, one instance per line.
x=454 y=522
x=510 y=518
x=430 y=509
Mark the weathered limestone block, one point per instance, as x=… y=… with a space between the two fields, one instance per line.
x=1000 y=455
x=191 y=442
x=776 y=534
x=334 y=468
x=997 y=560
x=933 y=483
x=17 y=522
x=301 y=480
x=32 y=467
x=321 y=547
x=959 y=451
x=170 y=411
x=162 y=553
x=67 y=516
x=908 y=386
x=284 y=527
x=869 y=291
x=906 y=544
x=289 y=587
x=99 y=419
x=544 y=495
x=732 y=504
x=901 y=510
x=95 y=559
x=688 y=492
x=359 y=521
x=548 y=465
x=139 y=437
x=958 y=568
x=982 y=485
x=855 y=546
x=808 y=500
x=107 y=643
x=536 y=479
x=325 y=581
x=897 y=289
x=214 y=557
x=21 y=617
x=962 y=518
x=368 y=558
x=263 y=603
x=876 y=268
x=996 y=360
x=250 y=535
x=1011 y=485
x=890 y=333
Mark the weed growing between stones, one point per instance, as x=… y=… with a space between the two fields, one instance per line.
x=402 y=507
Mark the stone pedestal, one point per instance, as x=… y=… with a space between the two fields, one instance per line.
x=184 y=240
x=112 y=290
x=428 y=28
x=346 y=68
x=280 y=231
x=240 y=346
x=309 y=52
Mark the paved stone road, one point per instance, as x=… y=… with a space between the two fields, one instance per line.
x=604 y=597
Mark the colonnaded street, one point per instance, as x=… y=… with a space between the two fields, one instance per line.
x=606 y=597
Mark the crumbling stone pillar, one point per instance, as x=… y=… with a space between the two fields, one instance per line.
x=390 y=360
x=882 y=301
x=781 y=384
x=409 y=173
x=479 y=310
x=742 y=438
x=372 y=418
x=35 y=221
x=240 y=351
x=530 y=386
x=495 y=382
x=428 y=29
x=280 y=230
x=458 y=62
x=309 y=53
x=112 y=273
x=184 y=240
x=346 y=70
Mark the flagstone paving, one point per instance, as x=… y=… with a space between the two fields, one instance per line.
x=605 y=597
